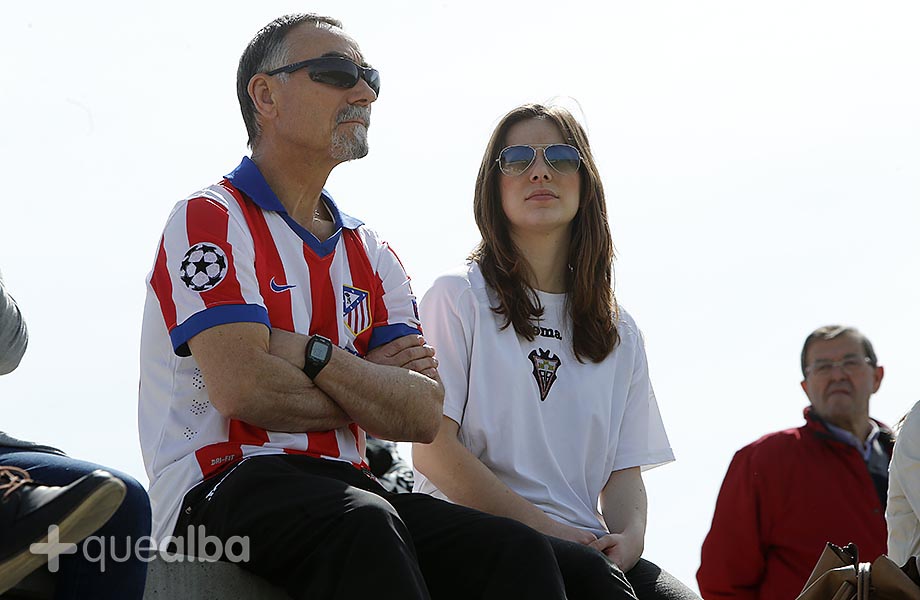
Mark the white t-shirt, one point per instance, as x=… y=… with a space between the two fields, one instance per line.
x=550 y=427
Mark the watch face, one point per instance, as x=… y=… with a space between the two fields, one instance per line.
x=318 y=352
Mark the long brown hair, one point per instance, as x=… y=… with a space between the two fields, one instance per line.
x=589 y=281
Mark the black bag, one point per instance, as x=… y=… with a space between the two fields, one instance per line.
x=391 y=471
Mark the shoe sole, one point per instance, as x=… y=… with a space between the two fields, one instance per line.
x=91 y=514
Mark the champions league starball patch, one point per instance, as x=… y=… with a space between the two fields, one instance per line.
x=545 y=365
x=203 y=267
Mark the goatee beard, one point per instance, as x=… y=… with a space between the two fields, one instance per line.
x=351 y=143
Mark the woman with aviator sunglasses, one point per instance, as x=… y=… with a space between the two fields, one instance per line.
x=548 y=407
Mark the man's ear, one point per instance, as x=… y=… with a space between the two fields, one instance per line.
x=878 y=375
x=261 y=91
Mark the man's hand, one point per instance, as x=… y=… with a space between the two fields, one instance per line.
x=622 y=549
x=409 y=352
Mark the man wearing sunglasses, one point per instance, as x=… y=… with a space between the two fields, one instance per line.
x=277 y=331
x=789 y=493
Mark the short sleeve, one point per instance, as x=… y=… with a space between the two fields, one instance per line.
x=204 y=273
x=448 y=313
x=643 y=440
x=396 y=312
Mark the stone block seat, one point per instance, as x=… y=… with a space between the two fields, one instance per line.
x=172 y=581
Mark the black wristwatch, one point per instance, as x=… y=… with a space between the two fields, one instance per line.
x=317 y=355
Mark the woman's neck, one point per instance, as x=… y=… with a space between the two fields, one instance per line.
x=547 y=257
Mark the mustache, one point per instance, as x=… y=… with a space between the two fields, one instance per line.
x=353 y=112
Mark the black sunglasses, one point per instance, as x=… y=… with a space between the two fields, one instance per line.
x=514 y=160
x=334 y=70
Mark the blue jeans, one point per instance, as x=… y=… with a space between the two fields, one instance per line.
x=80 y=577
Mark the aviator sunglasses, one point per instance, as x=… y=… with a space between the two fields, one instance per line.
x=334 y=70
x=515 y=160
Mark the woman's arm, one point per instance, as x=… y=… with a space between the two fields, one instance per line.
x=624 y=506
x=466 y=480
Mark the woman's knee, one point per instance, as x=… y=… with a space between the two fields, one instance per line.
x=588 y=573
x=651 y=582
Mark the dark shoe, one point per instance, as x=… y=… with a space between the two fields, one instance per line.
x=28 y=509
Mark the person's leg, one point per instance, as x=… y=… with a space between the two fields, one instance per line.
x=588 y=573
x=651 y=582
x=465 y=553
x=310 y=528
x=124 y=573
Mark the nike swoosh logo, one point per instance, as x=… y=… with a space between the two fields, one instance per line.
x=279 y=288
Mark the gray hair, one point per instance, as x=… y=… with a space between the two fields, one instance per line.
x=267 y=51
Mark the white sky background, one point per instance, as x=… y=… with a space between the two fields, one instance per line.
x=760 y=162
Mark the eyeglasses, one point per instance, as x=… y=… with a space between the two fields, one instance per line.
x=335 y=71
x=849 y=365
x=515 y=160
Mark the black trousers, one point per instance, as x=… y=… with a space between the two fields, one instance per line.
x=651 y=582
x=322 y=529
x=648 y=581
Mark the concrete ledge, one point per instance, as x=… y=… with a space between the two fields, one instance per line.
x=206 y=581
x=172 y=581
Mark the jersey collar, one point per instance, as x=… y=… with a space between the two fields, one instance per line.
x=247 y=178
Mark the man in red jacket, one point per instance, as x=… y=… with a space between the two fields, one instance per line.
x=790 y=492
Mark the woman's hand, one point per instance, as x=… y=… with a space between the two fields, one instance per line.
x=567 y=532
x=624 y=550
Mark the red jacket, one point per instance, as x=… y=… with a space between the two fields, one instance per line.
x=783 y=498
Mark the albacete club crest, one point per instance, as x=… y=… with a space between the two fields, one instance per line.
x=545 y=365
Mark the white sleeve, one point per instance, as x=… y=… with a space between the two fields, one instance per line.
x=13 y=334
x=204 y=272
x=448 y=311
x=643 y=440
x=905 y=472
x=396 y=313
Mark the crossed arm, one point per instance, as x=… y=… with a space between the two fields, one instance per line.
x=254 y=375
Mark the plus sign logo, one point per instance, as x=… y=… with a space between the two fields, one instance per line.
x=53 y=548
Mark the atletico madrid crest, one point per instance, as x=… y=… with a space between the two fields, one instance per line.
x=356 y=309
x=545 y=365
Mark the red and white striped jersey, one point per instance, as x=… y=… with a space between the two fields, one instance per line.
x=231 y=253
